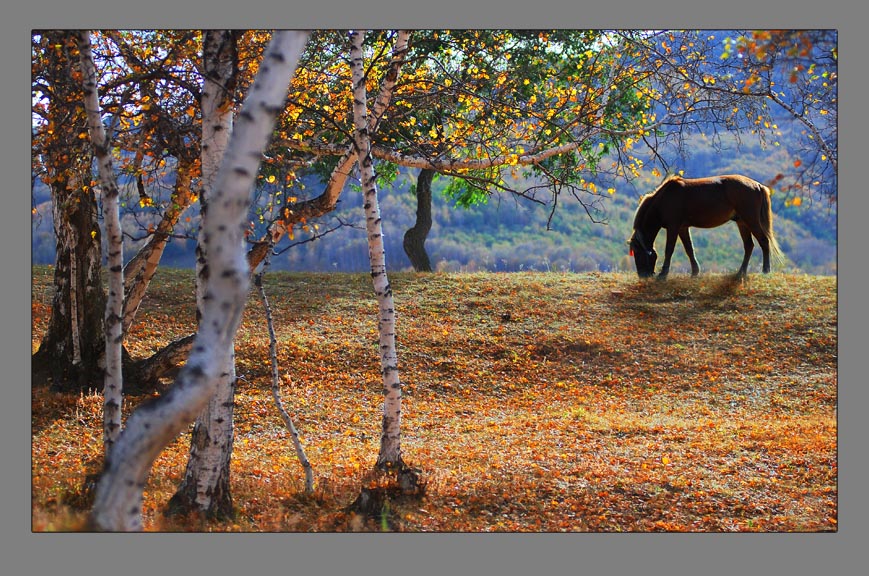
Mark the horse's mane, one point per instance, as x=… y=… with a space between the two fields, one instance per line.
x=647 y=200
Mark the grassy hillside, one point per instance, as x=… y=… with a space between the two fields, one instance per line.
x=532 y=402
x=508 y=234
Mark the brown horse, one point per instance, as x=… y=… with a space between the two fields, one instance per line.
x=679 y=203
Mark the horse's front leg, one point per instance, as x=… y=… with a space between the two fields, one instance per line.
x=685 y=236
x=672 y=235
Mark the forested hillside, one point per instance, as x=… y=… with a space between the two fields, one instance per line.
x=509 y=233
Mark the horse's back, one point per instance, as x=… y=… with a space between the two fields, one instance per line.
x=731 y=182
x=711 y=201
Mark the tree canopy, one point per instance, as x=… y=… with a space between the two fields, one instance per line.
x=537 y=113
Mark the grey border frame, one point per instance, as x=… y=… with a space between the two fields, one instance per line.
x=22 y=552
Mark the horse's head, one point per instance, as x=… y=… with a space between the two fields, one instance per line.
x=644 y=256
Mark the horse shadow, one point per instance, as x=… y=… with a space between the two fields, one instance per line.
x=684 y=298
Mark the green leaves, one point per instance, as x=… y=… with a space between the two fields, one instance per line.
x=464 y=194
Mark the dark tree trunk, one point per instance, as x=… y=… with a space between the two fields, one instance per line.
x=72 y=351
x=414 y=239
x=143 y=376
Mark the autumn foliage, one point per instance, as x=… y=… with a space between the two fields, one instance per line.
x=532 y=402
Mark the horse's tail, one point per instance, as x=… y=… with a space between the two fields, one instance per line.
x=766 y=224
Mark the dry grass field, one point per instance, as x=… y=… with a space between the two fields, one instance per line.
x=532 y=402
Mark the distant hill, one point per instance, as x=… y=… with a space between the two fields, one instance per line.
x=510 y=233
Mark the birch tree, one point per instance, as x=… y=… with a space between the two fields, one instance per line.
x=118 y=502
x=390 y=439
x=113 y=386
x=206 y=486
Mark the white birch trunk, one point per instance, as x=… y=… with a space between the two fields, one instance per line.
x=118 y=503
x=113 y=387
x=206 y=479
x=390 y=439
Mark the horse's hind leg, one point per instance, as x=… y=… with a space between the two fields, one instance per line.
x=763 y=240
x=764 y=246
x=748 y=244
x=685 y=236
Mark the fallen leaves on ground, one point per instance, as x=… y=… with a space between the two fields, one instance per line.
x=532 y=402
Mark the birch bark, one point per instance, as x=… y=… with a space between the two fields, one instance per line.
x=113 y=384
x=206 y=486
x=118 y=502
x=390 y=439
